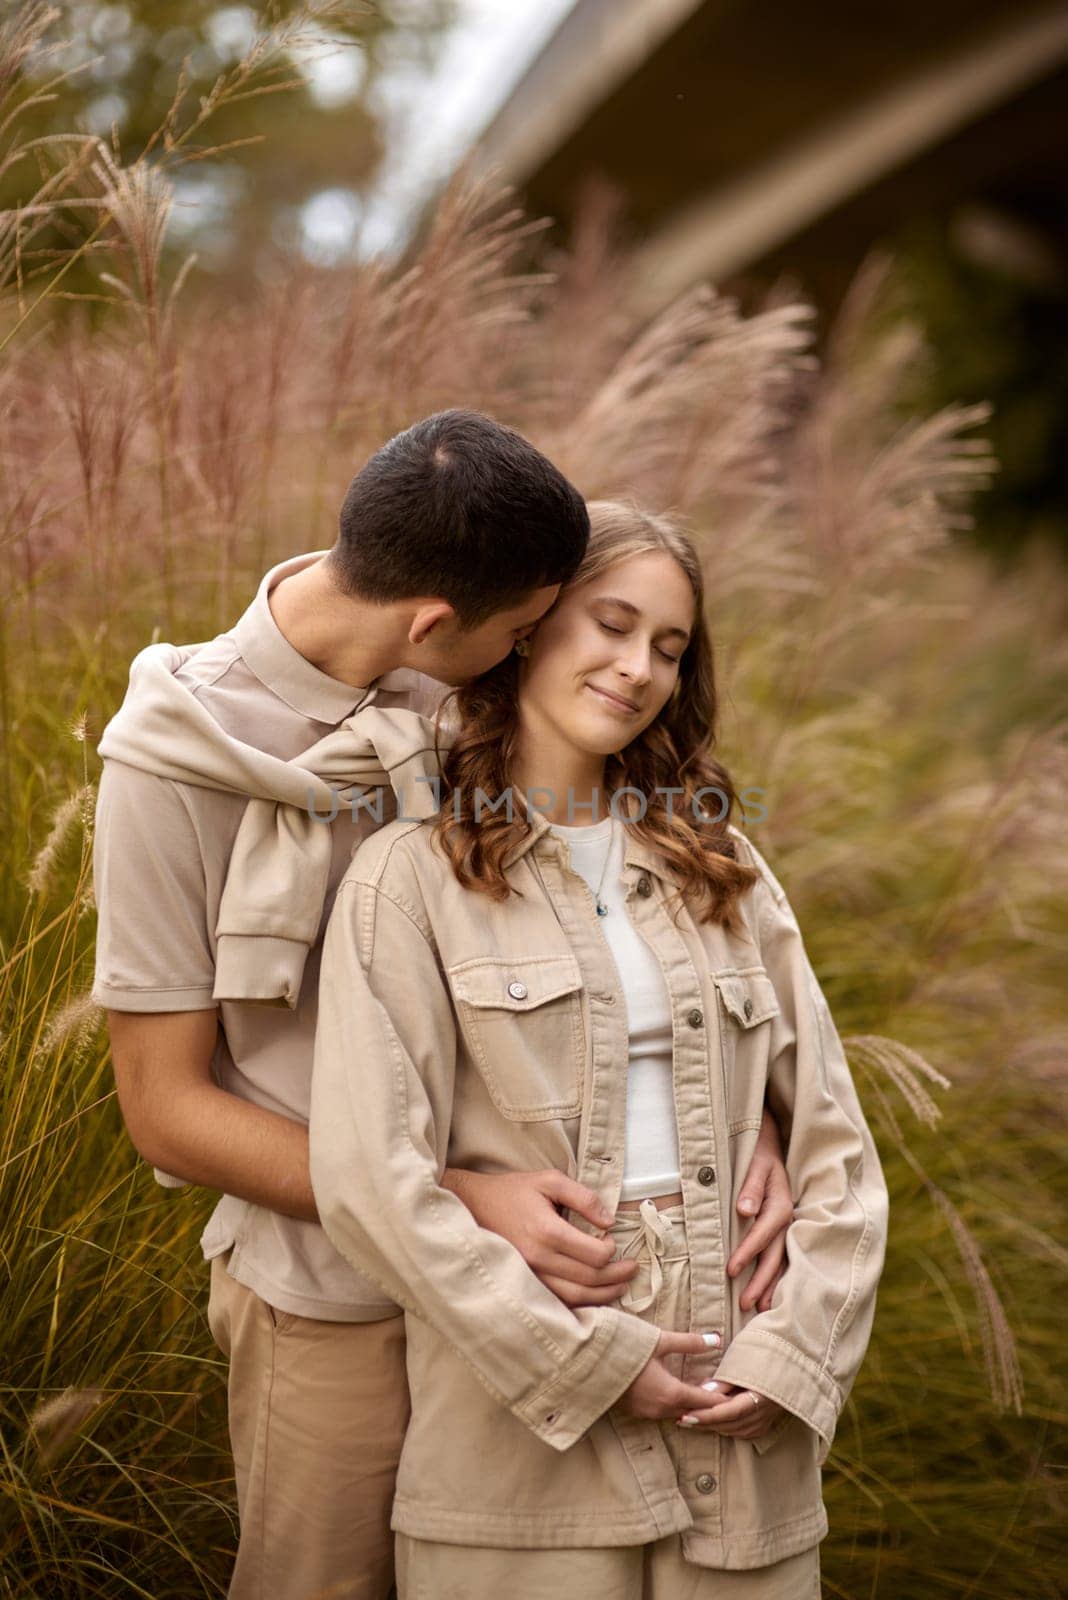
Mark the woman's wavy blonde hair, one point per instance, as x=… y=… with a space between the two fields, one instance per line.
x=673 y=752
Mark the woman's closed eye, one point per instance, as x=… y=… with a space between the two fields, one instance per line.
x=608 y=628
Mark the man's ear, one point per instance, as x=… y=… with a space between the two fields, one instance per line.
x=427 y=618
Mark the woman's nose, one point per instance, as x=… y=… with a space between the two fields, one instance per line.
x=634 y=665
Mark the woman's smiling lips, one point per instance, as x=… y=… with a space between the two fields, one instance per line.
x=615 y=702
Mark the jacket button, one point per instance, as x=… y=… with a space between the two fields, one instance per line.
x=706 y=1175
x=705 y=1483
x=695 y=1018
x=748 y=1009
x=644 y=888
x=517 y=990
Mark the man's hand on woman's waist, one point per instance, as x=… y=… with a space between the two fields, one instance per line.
x=522 y=1207
x=525 y=1209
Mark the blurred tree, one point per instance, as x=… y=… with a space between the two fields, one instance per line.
x=992 y=296
x=123 y=70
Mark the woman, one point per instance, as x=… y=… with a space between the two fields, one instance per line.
x=579 y=963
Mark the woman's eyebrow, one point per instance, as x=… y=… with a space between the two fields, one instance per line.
x=635 y=611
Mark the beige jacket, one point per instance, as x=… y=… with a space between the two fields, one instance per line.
x=455 y=1030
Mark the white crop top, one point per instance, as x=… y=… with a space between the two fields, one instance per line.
x=651 y=1161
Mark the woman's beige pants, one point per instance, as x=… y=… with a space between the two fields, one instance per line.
x=427 y=1570
x=317 y=1416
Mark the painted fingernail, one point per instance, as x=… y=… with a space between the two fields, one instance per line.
x=712 y=1385
x=747 y=1204
x=688 y=1421
x=712 y=1339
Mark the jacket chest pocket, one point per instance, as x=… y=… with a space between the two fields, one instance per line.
x=747 y=1005
x=522 y=1022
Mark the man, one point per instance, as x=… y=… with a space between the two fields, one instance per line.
x=454 y=540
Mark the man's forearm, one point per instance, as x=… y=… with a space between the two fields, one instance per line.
x=242 y=1149
x=239 y=1148
x=229 y=1144
x=770 y=1135
x=226 y=1143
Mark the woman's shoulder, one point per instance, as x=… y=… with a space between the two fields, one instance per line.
x=399 y=860
x=395 y=863
x=403 y=863
x=746 y=852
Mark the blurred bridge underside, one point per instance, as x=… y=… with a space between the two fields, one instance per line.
x=749 y=139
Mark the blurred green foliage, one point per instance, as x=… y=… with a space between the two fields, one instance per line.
x=997 y=332
x=121 y=70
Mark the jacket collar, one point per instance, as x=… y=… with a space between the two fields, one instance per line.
x=636 y=854
x=292 y=677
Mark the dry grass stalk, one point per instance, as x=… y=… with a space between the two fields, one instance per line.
x=76 y=1024
x=72 y=813
x=55 y=1421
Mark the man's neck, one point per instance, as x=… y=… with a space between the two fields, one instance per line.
x=352 y=641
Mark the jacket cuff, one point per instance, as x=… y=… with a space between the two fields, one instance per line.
x=562 y=1411
x=254 y=967
x=760 y=1360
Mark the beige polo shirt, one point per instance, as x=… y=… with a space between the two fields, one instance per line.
x=161 y=853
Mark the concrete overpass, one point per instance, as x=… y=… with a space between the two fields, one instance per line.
x=755 y=138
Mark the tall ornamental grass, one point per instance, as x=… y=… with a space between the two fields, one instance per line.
x=900 y=710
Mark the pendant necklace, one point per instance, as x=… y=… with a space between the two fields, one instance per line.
x=602 y=909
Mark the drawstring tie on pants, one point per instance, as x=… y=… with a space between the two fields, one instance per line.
x=654 y=1233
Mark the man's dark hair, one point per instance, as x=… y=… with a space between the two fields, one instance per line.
x=460 y=507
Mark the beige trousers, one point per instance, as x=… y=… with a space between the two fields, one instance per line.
x=317 y=1413
x=428 y=1570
